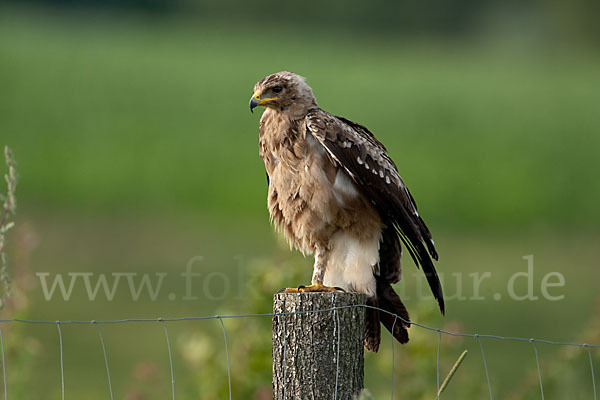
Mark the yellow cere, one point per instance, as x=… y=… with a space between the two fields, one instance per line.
x=264 y=101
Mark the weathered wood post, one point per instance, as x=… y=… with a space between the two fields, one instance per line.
x=318 y=354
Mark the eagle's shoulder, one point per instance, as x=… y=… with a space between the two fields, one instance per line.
x=353 y=146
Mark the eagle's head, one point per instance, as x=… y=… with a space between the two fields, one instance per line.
x=283 y=91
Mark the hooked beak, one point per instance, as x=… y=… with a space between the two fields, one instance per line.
x=254 y=102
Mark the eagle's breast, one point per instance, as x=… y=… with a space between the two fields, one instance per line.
x=300 y=198
x=310 y=197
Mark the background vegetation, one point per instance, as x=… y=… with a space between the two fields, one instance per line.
x=137 y=153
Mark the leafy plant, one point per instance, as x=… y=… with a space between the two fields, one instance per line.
x=9 y=207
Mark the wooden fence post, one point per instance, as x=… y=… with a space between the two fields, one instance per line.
x=318 y=355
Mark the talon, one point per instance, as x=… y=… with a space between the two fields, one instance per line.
x=319 y=287
x=316 y=287
x=290 y=290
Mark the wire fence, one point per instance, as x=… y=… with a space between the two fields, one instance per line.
x=587 y=347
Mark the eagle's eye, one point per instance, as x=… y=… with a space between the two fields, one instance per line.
x=277 y=89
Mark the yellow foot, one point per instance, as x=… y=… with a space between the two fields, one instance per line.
x=317 y=287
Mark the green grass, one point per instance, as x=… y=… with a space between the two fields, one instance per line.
x=137 y=152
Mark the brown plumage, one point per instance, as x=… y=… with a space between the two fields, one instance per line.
x=335 y=193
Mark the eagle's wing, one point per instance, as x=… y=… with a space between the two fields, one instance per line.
x=364 y=158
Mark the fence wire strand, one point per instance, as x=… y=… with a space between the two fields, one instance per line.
x=281 y=316
x=487 y=373
x=175 y=319
x=226 y=353
x=110 y=389
x=438 y=364
x=337 y=357
x=393 y=358
x=4 y=365
x=539 y=371
x=62 y=365
x=162 y=321
x=587 y=347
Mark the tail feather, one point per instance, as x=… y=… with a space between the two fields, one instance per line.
x=372 y=327
x=388 y=300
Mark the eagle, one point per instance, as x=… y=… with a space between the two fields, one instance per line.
x=334 y=192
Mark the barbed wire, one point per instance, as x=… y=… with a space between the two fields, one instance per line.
x=334 y=309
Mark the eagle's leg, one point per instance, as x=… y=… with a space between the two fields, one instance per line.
x=321 y=257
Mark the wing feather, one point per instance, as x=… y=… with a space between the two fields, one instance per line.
x=365 y=159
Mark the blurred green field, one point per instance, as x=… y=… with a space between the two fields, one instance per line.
x=137 y=153
x=115 y=114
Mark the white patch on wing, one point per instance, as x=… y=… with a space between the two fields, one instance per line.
x=343 y=187
x=316 y=148
x=351 y=262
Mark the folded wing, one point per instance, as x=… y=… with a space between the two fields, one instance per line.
x=364 y=158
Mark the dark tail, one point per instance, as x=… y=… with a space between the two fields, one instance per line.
x=386 y=299
x=372 y=327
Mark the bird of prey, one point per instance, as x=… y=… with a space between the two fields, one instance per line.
x=335 y=193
